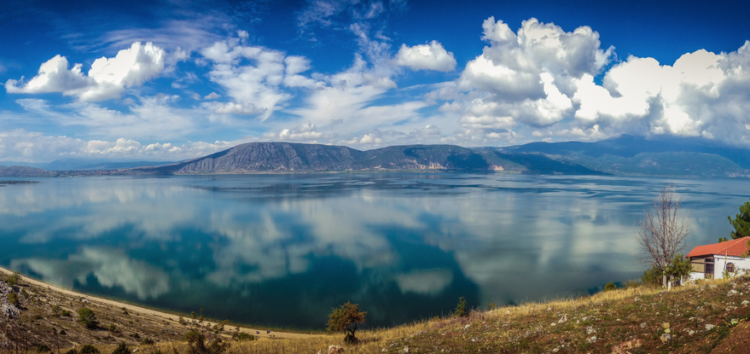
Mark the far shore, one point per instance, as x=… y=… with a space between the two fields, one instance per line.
x=157 y=313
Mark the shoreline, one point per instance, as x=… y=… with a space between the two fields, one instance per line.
x=157 y=312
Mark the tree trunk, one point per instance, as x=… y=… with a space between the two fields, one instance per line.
x=664 y=281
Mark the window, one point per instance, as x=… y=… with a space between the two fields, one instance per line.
x=730 y=267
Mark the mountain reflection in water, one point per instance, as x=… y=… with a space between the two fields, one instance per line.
x=282 y=250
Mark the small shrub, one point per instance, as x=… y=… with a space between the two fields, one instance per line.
x=652 y=276
x=491 y=306
x=89 y=349
x=112 y=328
x=62 y=333
x=460 y=310
x=609 y=287
x=66 y=313
x=345 y=319
x=87 y=318
x=122 y=348
x=57 y=310
x=13 y=299
x=244 y=337
x=136 y=336
x=148 y=341
x=197 y=344
x=14 y=279
x=43 y=348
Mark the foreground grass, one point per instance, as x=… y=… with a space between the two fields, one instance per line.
x=596 y=324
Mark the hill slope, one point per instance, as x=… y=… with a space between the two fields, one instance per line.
x=637 y=156
x=304 y=158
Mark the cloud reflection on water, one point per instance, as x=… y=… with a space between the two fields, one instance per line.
x=515 y=237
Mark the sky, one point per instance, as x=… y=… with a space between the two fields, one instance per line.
x=172 y=80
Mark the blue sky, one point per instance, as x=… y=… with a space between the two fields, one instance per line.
x=168 y=80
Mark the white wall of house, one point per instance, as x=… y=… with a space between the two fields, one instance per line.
x=740 y=264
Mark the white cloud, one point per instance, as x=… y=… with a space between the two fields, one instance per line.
x=106 y=79
x=212 y=96
x=21 y=145
x=430 y=56
x=696 y=96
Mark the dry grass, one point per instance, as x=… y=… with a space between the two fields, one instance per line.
x=615 y=316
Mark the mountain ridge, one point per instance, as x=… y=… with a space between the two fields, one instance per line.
x=625 y=155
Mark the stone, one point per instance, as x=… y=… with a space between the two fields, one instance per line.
x=732 y=292
x=563 y=319
x=467 y=326
x=549 y=309
x=710 y=327
x=643 y=325
x=665 y=338
x=730 y=308
x=590 y=330
x=592 y=339
x=691 y=332
x=9 y=310
x=745 y=302
x=637 y=299
x=335 y=349
x=623 y=347
x=734 y=321
x=556 y=350
x=553 y=324
x=406 y=350
x=136 y=350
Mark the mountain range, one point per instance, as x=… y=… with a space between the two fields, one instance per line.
x=625 y=155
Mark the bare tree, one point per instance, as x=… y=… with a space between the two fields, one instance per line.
x=663 y=230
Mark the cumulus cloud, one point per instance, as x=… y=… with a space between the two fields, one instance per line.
x=306 y=132
x=529 y=76
x=696 y=96
x=430 y=56
x=25 y=146
x=106 y=79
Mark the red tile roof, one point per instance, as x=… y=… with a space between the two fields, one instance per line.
x=736 y=247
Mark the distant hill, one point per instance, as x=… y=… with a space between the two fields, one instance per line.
x=301 y=158
x=624 y=156
x=24 y=171
x=85 y=164
x=638 y=156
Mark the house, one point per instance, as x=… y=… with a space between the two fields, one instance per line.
x=710 y=261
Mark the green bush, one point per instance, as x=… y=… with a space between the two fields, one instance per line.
x=57 y=310
x=242 y=337
x=148 y=341
x=460 y=310
x=89 y=349
x=87 y=318
x=122 y=348
x=13 y=299
x=112 y=328
x=652 y=276
x=14 y=279
x=609 y=287
x=42 y=348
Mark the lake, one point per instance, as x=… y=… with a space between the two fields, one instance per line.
x=282 y=250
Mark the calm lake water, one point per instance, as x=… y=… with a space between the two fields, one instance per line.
x=282 y=250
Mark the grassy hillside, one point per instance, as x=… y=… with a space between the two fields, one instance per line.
x=709 y=317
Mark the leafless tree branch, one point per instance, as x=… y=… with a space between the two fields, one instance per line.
x=663 y=229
